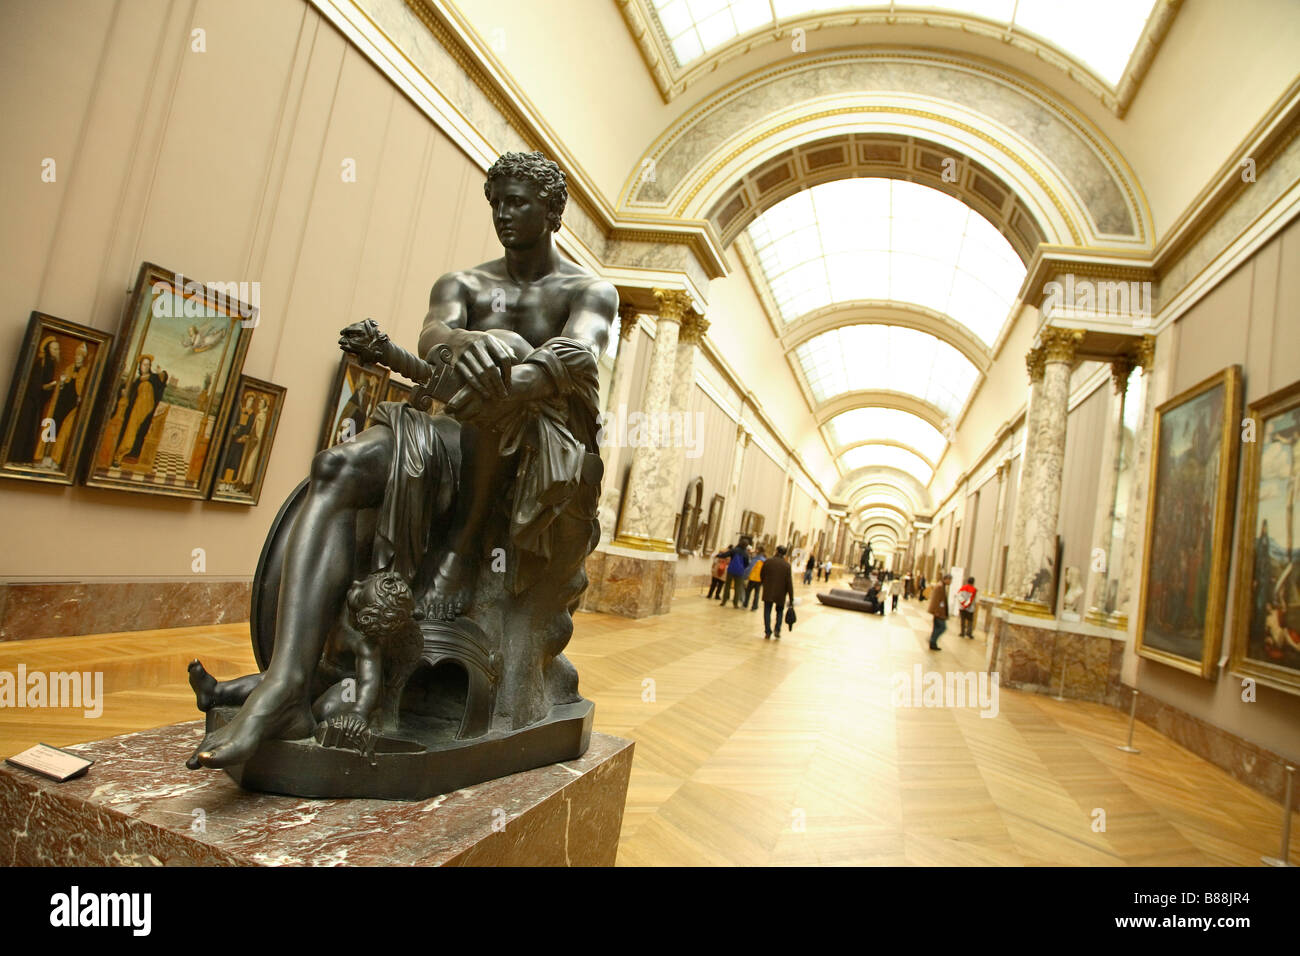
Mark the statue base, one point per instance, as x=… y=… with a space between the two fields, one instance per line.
x=403 y=769
x=138 y=805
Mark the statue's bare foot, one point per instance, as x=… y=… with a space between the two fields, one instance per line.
x=204 y=685
x=453 y=589
x=270 y=713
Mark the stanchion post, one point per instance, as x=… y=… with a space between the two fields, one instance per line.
x=1283 y=857
x=1128 y=748
x=1060 y=690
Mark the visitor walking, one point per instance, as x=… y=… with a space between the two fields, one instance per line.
x=719 y=574
x=966 y=608
x=808 y=569
x=754 y=579
x=778 y=587
x=939 y=608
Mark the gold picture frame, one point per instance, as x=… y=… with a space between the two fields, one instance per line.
x=357 y=391
x=52 y=400
x=168 y=396
x=247 y=444
x=1180 y=613
x=1266 y=620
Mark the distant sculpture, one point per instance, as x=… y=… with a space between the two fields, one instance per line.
x=415 y=593
x=1072 y=601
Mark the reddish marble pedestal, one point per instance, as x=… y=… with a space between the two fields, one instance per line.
x=138 y=805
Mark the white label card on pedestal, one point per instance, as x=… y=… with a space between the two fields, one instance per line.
x=51 y=762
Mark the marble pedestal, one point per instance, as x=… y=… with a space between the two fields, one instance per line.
x=630 y=585
x=138 y=805
x=1033 y=657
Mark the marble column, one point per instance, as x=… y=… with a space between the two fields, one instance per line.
x=620 y=383
x=1109 y=508
x=692 y=328
x=1035 y=365
x=1037 y=573
x=998 y=519
x=1130 y=568
x=730 y=524
x=648 y=511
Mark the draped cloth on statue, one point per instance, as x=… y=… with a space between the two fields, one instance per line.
x=422 y=478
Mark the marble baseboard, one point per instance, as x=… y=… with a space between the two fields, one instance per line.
x=1033 y=658
x=628 y=586
x=66 y=609
x=1251 y=764
x=138 y=805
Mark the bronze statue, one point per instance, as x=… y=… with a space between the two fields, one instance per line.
x=415 y=593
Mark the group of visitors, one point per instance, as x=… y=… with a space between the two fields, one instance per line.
x=938 y=608
x=742 y=576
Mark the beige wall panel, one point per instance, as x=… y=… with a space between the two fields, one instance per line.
x=1085 y=438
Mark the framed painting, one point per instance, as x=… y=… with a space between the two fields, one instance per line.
x=246 y=446
x=1189 y=524
x=173 y=378
x=358 y=390
x=397 y=392
x=1266 y=627
x=714 y=523
x=51 y=399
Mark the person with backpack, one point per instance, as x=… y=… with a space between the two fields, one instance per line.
x=966 y=608
x=738 y=562
x=778 y=588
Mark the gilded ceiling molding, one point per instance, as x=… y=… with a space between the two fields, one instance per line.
x=848 y=484
x=1040 y=138
x=672 y=80
x=893 y=443
x=882 y=398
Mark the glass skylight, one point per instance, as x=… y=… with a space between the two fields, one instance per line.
x=889 y=456
x=857 y=357
x=887 y=239
x=891 y=424
x=877 y=494
x=1101 y=34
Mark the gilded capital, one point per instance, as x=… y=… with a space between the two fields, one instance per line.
x=742 y=436
x=1120 y=368
x=673 y=304
x=1145 y=353
x=694 y=326
x=1059 y=344
x=627 y=316
x=1036 y=363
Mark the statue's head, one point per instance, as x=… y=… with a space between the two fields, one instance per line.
x=381 y=604
x=528 y=194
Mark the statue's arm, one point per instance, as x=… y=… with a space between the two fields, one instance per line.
x=482 y=361
x=448 y=314
x=592 y=316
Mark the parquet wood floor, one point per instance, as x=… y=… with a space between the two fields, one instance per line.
x=753 y=752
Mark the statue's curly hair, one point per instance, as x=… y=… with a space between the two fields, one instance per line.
x=535 y=168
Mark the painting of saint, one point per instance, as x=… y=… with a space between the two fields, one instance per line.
x=1189 y=524
x=246 y=450
x=51 y=398
x=358 y=390
x=1266 y=633
x=180 y=352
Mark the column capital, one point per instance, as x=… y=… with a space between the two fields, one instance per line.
x=673 y=304
x=1059 y=344
x=627 y=321
x=742 y=436
x=1144 y=353
x=1035 y=363
x=694 y=326
x=1120 y=368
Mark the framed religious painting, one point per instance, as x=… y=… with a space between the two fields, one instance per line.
x=51 y=399
x=397 y=391
x=1194 y=441
x=246 y=446
x=170 y=387
x=1266 y=627
x=358 y=390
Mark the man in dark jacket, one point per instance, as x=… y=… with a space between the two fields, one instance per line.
x=778 y=587
x=939 y=608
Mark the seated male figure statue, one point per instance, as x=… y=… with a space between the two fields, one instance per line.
x=525 y=331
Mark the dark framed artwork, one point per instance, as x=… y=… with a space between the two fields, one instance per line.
x=246 y=447
x=358 y=390
x=1189 y=524
x=173 y=378
x=714 y=524
x=52 y=399
x=397 y=391
x=1266 y=629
